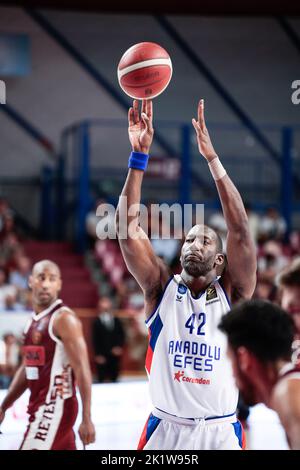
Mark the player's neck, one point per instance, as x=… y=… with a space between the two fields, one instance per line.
x=197 y=284
x=269 y=380
x=38 y=308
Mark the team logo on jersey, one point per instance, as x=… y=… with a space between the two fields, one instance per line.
x=211 y=294
x=180 y=291
x=36 y=337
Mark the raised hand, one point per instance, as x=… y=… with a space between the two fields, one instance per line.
x=140 y=129
x=204 y=143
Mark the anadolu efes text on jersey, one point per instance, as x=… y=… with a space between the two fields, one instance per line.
x=189 y=372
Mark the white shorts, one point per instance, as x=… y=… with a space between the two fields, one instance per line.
x=167 y=432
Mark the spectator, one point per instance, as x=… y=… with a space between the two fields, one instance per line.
x=9 y=359
x=6 y=290
x=271 y=261
x=289 y=285
x=4 y=210
x=108 y=339
x=272 y=226
x=12 y=304
x=19 y=277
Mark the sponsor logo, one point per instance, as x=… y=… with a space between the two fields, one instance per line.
x=62 y=389
x=211 y=295
x=178 y=298
x=34 y=356
x=180 y=377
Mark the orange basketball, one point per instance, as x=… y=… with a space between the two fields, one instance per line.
x=145 y=70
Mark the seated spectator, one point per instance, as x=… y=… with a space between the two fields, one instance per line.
x=9 y=359
x=271 y=261
x=19 y=278
x=6 y=290
x=108 y=340
x=10 y=250
x=272 y=226
x=4 y=211
x=12 y=305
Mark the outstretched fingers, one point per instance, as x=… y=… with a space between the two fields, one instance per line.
x=201 y=119
x=149 y=109
x=130 y=117
x=136 y=111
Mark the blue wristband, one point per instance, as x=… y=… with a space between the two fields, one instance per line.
x=138 y=161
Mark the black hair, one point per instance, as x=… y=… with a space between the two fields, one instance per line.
x=263 y=328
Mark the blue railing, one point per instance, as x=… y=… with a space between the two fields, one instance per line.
x=260 y=180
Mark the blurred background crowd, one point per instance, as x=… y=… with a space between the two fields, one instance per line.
x=114 y=322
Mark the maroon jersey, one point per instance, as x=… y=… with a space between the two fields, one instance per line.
x=49 y=377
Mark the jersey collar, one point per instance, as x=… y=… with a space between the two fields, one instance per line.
x=43 y=313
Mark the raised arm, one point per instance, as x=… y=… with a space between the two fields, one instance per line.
x=68 y=328
x=16 y=389
x=140 y=259
x=239 y=277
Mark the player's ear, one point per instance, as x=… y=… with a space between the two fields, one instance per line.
x=59 y=284
x=244 y=358
x=219 y=260
x=30 y=282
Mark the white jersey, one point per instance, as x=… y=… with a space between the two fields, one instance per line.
x=189 y=372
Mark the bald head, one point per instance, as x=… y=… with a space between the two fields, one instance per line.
x=45 y=283
x=205 y=230
x=45 y=265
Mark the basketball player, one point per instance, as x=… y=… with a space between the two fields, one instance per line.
x=289 y=288
x=260 y=336
x=289 y=285
x=191 y=382
x=54 y=350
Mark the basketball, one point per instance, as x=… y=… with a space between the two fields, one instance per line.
x=145 y=70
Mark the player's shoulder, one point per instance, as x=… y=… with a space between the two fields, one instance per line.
x=235 y=292
x=156 y=288
x=286 y=393
x=155 y=293
x=65 y=315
